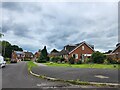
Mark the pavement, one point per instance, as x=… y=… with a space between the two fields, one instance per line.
x=82 y=74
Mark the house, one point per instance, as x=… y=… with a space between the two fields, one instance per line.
x=28 y=55
x=37 y=55
x=53 y=53
x=17 y=56
x=115 y=54
x=117 y=49
x=80 y=51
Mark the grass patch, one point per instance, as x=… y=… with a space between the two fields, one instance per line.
x=30 y=65
x=7 y=62
x=102 y=66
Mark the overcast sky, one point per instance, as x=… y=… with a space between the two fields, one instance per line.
x=34 y=25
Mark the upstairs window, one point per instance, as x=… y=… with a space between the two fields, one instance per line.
x=83 y=48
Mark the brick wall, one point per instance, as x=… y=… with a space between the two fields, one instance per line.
x=79 y=51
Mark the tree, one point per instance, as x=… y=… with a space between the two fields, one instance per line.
x=98 y=57
x=7 y=49
x=1 y=35
x=16 y=48
x=43 y=56
x=39 y=50
x=108 y=52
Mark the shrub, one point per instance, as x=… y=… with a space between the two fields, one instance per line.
x=7 y=59
x=79 y=62
x=106 y=61
x=41 y=61
x=71 y=60
x=48 y=59
x=111 y=61
x=57 y=59
x=62 y=59
x=88 y=60
x=98 y=57
x=54 y=59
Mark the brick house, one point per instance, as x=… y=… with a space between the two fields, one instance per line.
x=28 y=55
x=115 y=54
x=53 y=53
x=80 y=51
x=37 y=55
x=17 y=56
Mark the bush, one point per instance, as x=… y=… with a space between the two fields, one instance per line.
x=48 y=59
x=71 y=60
x=106 y=61
x=79 y=62
x=7 y=59
x=88 y=60
x=111 y=61
x=98 y=57
x=41 y=61
x=56 y=59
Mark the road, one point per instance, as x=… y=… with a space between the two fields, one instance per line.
x=17 y=76
x=68 y=73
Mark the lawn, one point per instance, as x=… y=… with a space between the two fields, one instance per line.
x=31 y=64
x=102 y=66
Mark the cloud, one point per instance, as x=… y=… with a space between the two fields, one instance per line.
x=33 y=25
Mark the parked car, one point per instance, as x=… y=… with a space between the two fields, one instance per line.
x=2 y=62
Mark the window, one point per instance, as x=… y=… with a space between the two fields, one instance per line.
x=83 y=47
x=75 y=56
x=65 y=48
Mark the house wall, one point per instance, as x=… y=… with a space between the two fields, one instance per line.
x=79 y=51
x=14 y=56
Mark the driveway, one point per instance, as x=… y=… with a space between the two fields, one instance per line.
x=91 y=75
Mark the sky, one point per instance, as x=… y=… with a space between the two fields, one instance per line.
x=33 y=25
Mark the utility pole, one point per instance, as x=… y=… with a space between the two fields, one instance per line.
x=4 y=49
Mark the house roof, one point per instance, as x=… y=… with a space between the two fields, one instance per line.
x=78 y=45
x=19 y=52
x=117 y=46
x=64 y=52
x=29 y=53
x=54 y=51
x=70 y=48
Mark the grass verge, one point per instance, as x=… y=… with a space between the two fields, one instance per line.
x=30 y=65
x=101 y=66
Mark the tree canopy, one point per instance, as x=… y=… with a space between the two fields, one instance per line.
x=98 y=57
x=43 y=56
x=7 y=49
